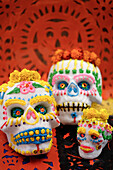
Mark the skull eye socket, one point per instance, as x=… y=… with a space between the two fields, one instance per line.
x=82 y=135
x=84 y=85
x=94 y=137
x=42 y=109
x=62 y=85
x=17 y=112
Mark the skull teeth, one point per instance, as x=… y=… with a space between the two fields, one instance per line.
x=34 y=136
x=72 y=106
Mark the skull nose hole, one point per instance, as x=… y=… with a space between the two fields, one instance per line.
x=72 y=90
x=31 y=117
x=31 y=114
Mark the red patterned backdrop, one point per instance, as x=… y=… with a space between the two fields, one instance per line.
x=30 y=32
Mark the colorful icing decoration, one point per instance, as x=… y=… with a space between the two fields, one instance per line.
x=28 y=113
x=76 y=81
x=93 y=133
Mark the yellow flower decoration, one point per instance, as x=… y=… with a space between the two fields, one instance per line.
x=103 y=114
x=25 y=75
x=15 y=76
x=90 y=113
x=34 y=75
x=3 y=87
x=93 y=115
x=11 y=84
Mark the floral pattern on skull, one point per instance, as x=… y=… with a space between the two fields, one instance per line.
x=28 y=113
x=76 y=82
x=93 y=133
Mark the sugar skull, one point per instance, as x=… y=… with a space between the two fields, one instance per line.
x=76 y=81
x=93 y=133
x=28 y=113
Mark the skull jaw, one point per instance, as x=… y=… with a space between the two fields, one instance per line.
x=90 y=155
x=32 y=149
x=67 y=118
x=70 y=113
x=33 y=141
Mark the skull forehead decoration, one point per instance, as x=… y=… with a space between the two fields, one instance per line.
x=76 y=83
x=28 y=113
x=93 y=133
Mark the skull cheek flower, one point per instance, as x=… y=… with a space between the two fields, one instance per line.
x=93 y=133
x=28 y=115
x=76 y=84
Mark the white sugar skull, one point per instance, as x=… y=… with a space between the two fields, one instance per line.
x=76 y=84
x=27 y=113
x=93 y=134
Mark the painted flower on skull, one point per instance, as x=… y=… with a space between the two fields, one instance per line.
x=26 y=87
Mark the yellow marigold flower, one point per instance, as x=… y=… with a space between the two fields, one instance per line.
x=34 y=75
x=103 y=114
x=15 y=76
x=3 y=87
x=11 y=84
x=25 y=75
x=90 y=113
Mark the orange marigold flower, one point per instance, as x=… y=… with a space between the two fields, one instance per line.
x=93 y=56
x=53 y=59
x=59 y=52
x=77 y=53
x=86 y=56
x=57 y=56
x=97 y=62
x=66 y=55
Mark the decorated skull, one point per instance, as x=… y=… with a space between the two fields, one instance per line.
x=76 y=81
x=93 y=133
x=28 y=113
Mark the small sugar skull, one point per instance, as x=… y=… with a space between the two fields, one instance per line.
x=76 y=83
x=93 y=133
x=28 y=113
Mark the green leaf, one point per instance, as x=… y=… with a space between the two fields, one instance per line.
x=61 y=71
x=67 y=71
x=88 y=71
x=74 y=71
x=81 y=70
x=15 y=90
x=51 y=76
x=37 y=85
x=100 y=130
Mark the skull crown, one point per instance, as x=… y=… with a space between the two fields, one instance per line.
x=28 y=113
x=76 y=81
